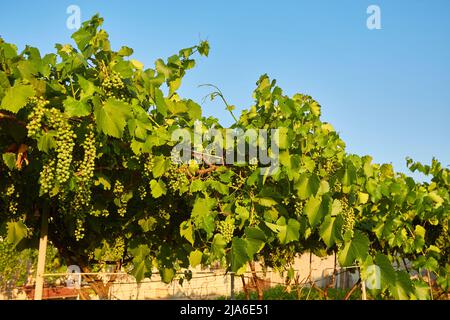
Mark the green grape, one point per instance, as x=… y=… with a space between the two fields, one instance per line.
x=337 y=187
x=13 y=196
x=79 y=229
x=36 y=116
x=142 y=192
x=118 y=191
x=47 y=176
x=85 y=173
x=281 y=258
x=148 y=166
x=226 y=228
x=177 y=179
x=443 y=239
x=64 y=145
x=348 y=213
x=114 y=86
x=298 y=206
x=330 y=166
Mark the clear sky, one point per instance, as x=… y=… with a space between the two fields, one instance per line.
x=386 y=91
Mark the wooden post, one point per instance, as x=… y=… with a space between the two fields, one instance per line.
x=232 y=286
x=39 y=287
x=363 y=288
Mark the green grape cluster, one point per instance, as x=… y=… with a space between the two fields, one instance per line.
x=64 y=145
x=47 y=176
x=142 y=192
x=148 y=166
x=253 y=164
x=226 y=228
x=442 y=240
x=337 y=187
x=99 y=213
x=36 y=116
x=330 y=166
x=177 y=180
x=114 y=252
x=281 y=258
x=12 y=195
x=86 y=169
x=83 y=195
x=163 y=213
x=118 y=191
x=114 y=86
x=298 y=207
x=79 y=229
x=348 y=213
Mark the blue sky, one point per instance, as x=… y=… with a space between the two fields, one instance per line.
x=386 y=91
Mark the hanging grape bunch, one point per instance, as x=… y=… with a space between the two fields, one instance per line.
x=348 y=213
x=148 y=166
x=177 y=179
x=64 y=144
x=85 y=172
x=118 y=193
x=79 y=229
x=114 y=86
x=36 y=116
x=226 y=228
x=12 y=197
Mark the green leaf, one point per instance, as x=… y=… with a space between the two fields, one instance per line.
x=402 y=288
x=148 y=224
x=161 y=165
x=82 y=37
x=266 y=202
x=160 y=102
x=387 y=271
x=239 y=254
x=102 y=180
x=203 y=216
x=348 y=174
x=187 y=231
x=197 y=185
x=167 y=275
x=242 y=214
x=47 y=141
x=419 y=240
x=354 y=249
x=112 y=117
x=125 y=51
x=140 y=269
x=9 y=158
x=195 y=258
x=16 y=231
x=76 y=108
x=137 y=64
x=421 y=290
x=330 y=230
x=87 y=87
x=16 y=97
x=158 y=188
x=218 y=246
x=289 y=232
x=256 y=240
x=307 y=185
x=317 y=208
x=363 y=197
